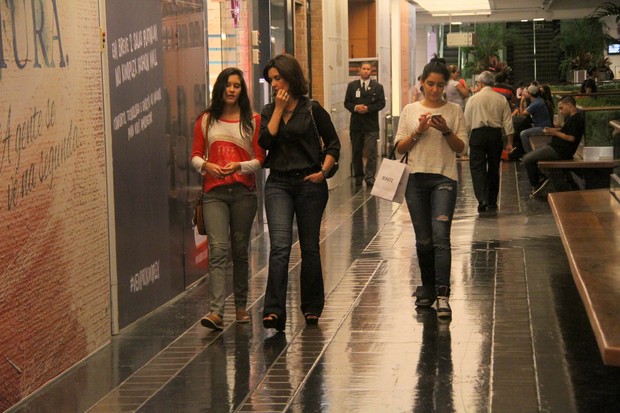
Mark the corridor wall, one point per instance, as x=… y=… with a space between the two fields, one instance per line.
x=54 y=260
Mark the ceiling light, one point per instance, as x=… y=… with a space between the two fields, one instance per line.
x=467 y=7
x=539 y=19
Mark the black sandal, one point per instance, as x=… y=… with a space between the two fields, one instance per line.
x=311 y=319
x=272 y=321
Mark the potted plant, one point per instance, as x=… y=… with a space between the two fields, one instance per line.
x=491 y=38
x=583 y=43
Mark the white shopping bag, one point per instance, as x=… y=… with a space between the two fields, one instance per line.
x=391 y=182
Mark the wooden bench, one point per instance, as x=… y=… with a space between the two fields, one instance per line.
x=588 y=223
x=584 y=174
x=591 y=174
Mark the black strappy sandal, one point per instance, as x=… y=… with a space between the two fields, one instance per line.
x=273 y=321
x=311 y=319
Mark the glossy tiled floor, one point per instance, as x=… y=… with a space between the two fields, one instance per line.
x=519 y=339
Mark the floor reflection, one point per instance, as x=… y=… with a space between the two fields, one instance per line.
x=517 y=342
x=434 y=392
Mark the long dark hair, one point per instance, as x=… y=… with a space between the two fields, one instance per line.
x=216 y=107
x=290 y=70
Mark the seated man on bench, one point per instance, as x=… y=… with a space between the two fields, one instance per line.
x=563 y=145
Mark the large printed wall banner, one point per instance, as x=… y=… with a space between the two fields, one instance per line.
x=54 y=257
x=140 y=158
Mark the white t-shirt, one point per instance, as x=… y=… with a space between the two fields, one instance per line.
x=432 y=154
x=453 y=95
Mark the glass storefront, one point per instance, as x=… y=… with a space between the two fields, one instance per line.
x=200 y=38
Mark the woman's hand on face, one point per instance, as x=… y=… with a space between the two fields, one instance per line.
x=282 y=98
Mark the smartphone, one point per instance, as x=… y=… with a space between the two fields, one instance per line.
x=435 y=116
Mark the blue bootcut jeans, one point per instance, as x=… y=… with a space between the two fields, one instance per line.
x=229 y=212
x=286 y=197
x=431 y=199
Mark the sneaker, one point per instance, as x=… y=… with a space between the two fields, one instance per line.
x=443 y=305
x=536 y=189
x=424 y=295
x=213 y=321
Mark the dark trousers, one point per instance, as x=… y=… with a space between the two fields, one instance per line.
x=288 y=197
x=359 y=141
x=485 y=153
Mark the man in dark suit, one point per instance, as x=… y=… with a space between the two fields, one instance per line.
x=364 y=99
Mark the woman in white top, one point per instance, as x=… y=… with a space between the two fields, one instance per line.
x=432 y=132
x=227 y=159
x=456 y=89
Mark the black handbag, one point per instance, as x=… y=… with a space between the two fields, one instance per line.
x=322 y=152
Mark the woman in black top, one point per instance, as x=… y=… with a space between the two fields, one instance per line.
x=295 y=187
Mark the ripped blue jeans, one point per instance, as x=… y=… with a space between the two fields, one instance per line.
x=431 y=199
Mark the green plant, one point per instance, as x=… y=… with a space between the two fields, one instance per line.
x=490 y=39
x=583 y=43
x=598 y=132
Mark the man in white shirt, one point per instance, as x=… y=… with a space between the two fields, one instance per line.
x=487 y=113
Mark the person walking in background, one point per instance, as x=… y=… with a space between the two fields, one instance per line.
x=456 y=91
x=563 y=145
x=486 y=114
x=227 y=154
x=295 y=187
x=539 y=113
x=503 y=88
x=432 y=132
x=364 y=99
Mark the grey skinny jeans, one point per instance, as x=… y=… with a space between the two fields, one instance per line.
x=229 y=212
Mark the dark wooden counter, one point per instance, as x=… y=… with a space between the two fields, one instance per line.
x=589 y=224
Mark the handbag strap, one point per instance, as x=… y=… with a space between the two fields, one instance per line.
x=316 y=130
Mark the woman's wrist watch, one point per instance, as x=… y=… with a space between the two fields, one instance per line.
x=447 y=133
x=416 y=136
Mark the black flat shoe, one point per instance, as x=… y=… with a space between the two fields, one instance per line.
x=311 y=319
x=272 y=321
